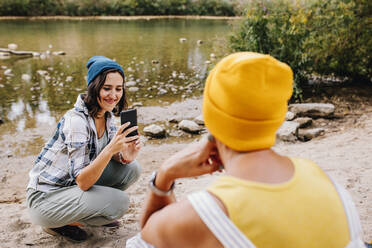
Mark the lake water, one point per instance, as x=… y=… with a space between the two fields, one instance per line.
x=155 y=60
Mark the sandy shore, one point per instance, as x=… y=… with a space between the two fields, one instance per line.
x=345 y=154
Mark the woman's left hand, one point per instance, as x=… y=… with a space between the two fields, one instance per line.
x=130 y=150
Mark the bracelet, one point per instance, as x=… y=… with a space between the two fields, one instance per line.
x=156 y=190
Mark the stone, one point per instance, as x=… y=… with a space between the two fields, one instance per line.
x=26 y=77
x=189 y=126
x=69 y=79
x=154 y=131
x=133 y=89
x=304 y=121
x=137 y=104
x=42 y=72
x=162 y=92
x=12 y=46
x=130 y=83
x=154 y=61
x=288 y=131
x=289 y=116
x=8 y=72
x=183 y=40
x=312 y=109
x=175 y=119
x=59 y=53
x=199 y=42
x=308 y=134
x=199 y=120
x=4 y=54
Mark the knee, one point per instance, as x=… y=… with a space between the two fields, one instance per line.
x=119 y=206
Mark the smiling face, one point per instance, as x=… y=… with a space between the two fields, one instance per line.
x=111 y=92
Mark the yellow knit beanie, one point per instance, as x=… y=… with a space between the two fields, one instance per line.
x=245 y=100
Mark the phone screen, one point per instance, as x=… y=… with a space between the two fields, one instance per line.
x=131 y=116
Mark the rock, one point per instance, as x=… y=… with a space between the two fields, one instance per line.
x=289 y=116
x=154 y=61
x=312 y=109
x=12 y=46
x=26 y=77
x=69 y=79
x=4 y=54
x=8 y=72
x=162 y=92
x=304 y=121
x=288 y=131
x=59 y=53
x=154 y=131
x=133 y=89
x=212 y=55
x=183 y=40
x=175 y=119
x=199 y=120
x=189 y=126
x=137 y=104
x=130 y=83
x=308 y=134
x=199 y=42
x=42 y=72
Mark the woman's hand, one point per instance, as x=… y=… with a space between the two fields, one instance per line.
x=120 y=140
x=194 y=160
x=130 y=150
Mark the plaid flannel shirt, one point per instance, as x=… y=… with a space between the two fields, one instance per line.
x=71 y=148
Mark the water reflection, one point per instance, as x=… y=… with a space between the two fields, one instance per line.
x=162 y=68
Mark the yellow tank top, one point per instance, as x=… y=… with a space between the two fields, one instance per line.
x=304 y=212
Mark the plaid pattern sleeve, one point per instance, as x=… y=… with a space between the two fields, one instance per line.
x=78 y=143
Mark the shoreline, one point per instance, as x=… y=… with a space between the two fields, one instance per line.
x=117 y=18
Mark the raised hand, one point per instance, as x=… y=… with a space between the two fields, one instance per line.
x=120 y=139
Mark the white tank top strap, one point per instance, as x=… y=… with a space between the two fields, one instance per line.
x=137 y=242
x=352 y=216
x=217 y=221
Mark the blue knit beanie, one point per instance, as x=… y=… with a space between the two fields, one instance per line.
x=98 y=64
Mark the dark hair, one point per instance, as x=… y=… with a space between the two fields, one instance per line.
x=90 y=98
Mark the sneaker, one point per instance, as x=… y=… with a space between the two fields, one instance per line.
x=115 y=223
x=72 y=233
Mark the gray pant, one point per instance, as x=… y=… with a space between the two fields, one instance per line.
x=103 y=203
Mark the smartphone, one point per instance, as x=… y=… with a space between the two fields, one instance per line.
x=131 y=116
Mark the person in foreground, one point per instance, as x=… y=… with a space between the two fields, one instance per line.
x=265 y=199
x=79 y=177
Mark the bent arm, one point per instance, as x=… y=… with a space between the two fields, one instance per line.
x=91 y=173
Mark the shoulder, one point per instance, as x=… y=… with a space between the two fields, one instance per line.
x=178 y=225
x=74 y=121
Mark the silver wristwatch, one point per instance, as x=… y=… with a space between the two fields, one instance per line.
x=156 y=190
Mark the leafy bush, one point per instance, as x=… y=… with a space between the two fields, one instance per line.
x=277 y=28
x=340 y=43
x=324 y=37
